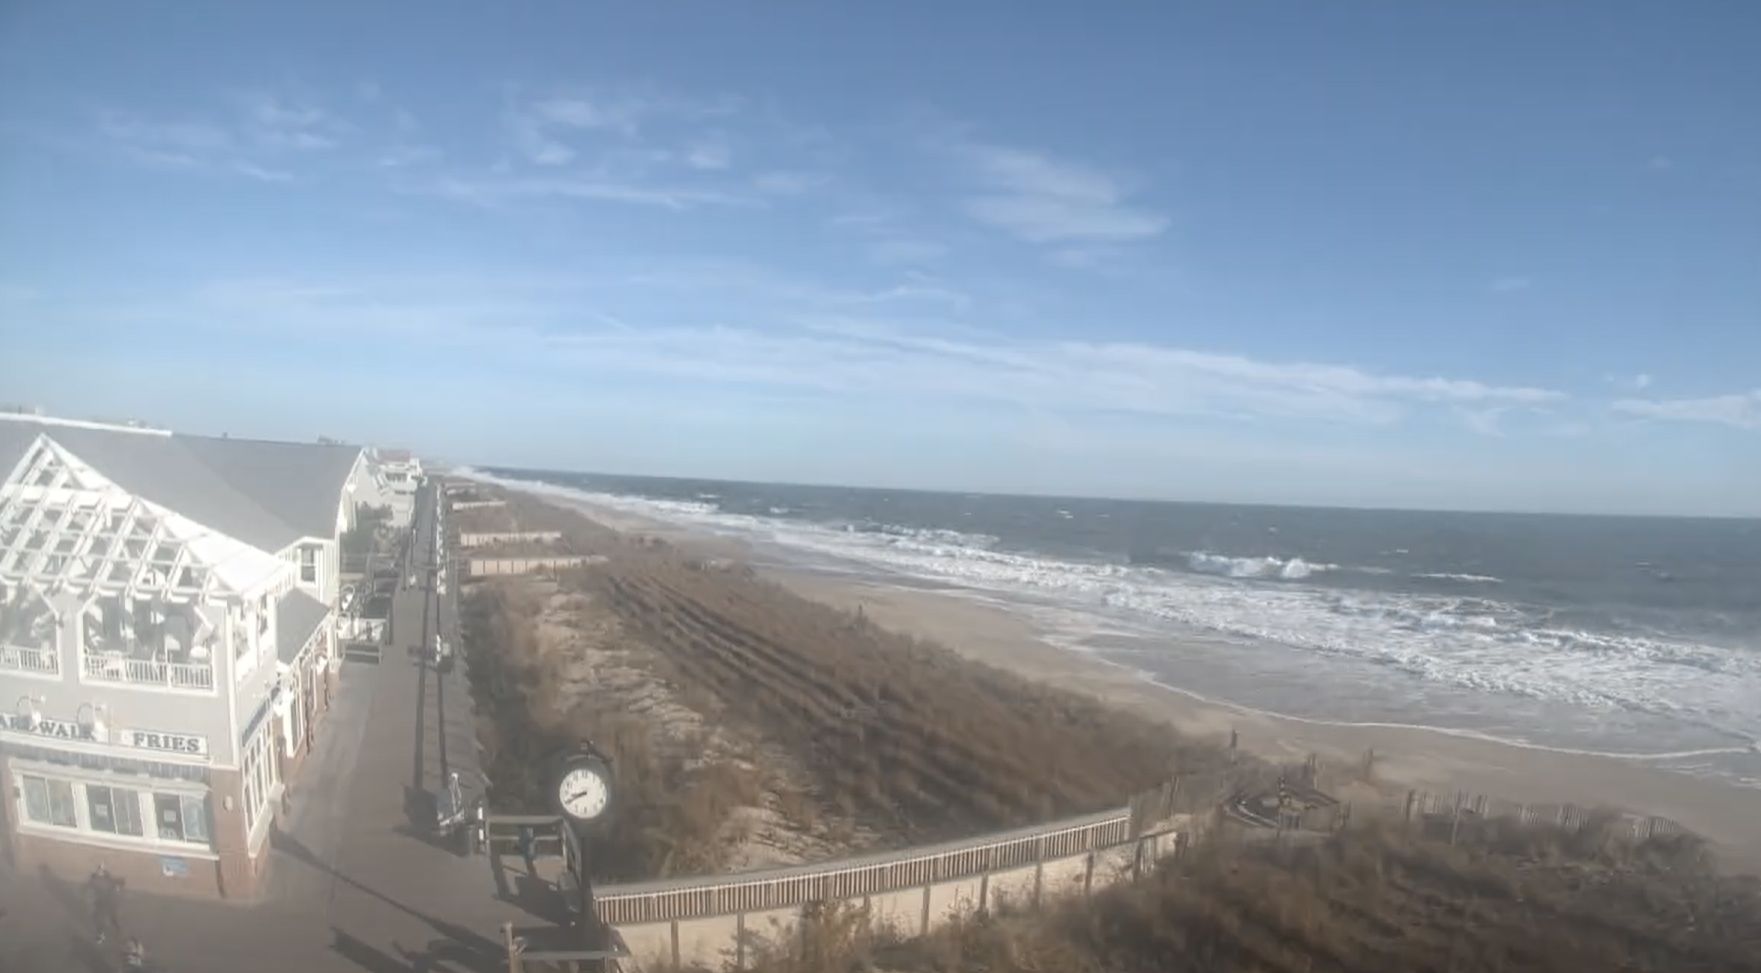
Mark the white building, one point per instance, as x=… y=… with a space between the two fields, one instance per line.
x=395 y=476
x=165 y=644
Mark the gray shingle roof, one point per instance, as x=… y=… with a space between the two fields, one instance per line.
x=297 y=616
x=266 y=494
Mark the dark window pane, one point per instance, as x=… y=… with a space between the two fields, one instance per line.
x=168 y=810
x=127 y=805
x=98 y=808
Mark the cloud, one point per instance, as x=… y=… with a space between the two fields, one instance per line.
x=847 y=344
x=263 y=173
x=256 y=134
x=492 y=190
x=557 y=128
x=1741 y=410
x=1636 y=383
x=905 y=250
x=281 y=123
x=1043 y=200
x=1482 y=421
x=785 y=182
x=1509 y=284
x=708 y=155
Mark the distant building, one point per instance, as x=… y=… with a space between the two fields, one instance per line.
x=396 y=474
x=167 y=641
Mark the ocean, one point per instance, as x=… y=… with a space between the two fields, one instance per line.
x=1631 y=636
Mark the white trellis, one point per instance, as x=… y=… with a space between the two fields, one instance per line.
x=67 y=529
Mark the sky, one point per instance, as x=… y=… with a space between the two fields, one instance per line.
x=1471 y=256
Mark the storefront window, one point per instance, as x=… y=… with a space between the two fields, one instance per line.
x=49 y=801
x=113 y=809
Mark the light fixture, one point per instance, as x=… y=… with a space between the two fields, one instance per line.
x=28 y=711
x=90 y=716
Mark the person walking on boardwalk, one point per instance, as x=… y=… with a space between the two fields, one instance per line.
x=528 y=847
x=105 y=891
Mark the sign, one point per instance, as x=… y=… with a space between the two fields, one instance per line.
x=187 y=744
x=174 y=868
x=54 y=729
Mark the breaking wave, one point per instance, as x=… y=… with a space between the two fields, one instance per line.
x=1294 y=569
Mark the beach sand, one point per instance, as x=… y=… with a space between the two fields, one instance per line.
x=1417 y=757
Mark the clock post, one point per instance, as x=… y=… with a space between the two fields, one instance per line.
x=582 y=789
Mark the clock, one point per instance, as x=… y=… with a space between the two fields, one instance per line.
x=583 y=788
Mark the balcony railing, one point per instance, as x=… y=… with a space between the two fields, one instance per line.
x=150 y=672
x=19 y=658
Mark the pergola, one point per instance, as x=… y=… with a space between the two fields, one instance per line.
x=65 y=528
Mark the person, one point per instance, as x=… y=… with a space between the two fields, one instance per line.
x=105 y=891
x=528 y=846
x=135 y=956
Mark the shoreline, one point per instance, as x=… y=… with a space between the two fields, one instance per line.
x=978 y=627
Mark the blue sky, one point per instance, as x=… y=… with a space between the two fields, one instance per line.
x=1474 y=255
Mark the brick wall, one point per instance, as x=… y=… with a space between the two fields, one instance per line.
x=71 y=862
x=240 y=875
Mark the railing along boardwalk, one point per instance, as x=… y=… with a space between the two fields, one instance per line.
x=717 y=895
x=477 y=567
x=481 y=538
x=1425 y=805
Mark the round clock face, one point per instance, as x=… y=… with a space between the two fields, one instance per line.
x=583 y=793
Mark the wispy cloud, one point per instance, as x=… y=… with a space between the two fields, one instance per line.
x=186 y=145
x=1636 y=383
x=1482 y=421
x=557 y=128
x=713 y=156
x=282 y=123
x=788 y=182
x=491 y=190
x=895 y=251
x=833 y=342
x=1741 y=410
x=1045 y=200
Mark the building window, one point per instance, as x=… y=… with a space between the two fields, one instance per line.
x=309 y=563
x=181 y=817
x=49 y=801
x=257 y=778
x=113 y=809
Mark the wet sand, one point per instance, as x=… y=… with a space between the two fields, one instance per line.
x=988 y=631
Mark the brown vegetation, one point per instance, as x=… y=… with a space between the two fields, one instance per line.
x=1368 y=900
x=670 y=808
x=892 y=736
x=904 y=734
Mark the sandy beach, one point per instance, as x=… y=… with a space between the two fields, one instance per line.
x=988 y=631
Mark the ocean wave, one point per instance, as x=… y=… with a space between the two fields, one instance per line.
x=1476 y=643
x=1469 y=578
x=1294 y=569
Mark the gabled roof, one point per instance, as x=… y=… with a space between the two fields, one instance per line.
x=267 y=494
x=300 y=484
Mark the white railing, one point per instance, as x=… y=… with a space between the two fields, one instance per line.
x=791 y=886
x=21 y=658
x=150 y=672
